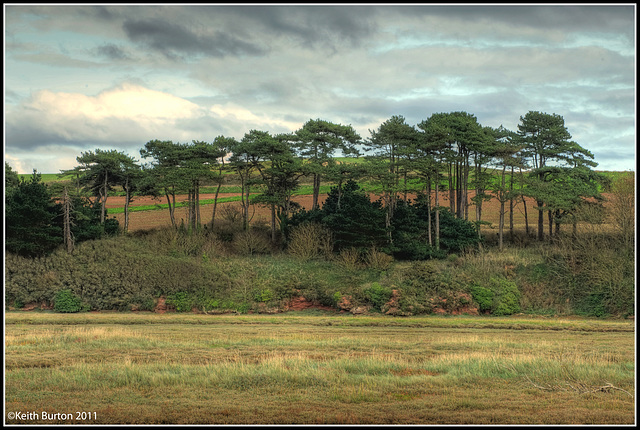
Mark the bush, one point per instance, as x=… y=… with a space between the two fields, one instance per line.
x=264 y=296
x=500 y=297
x=182 y=301
x=483 y=297
x=349 y=258
x=251 y=242
x=353 y=219
x=310 y=240
x=377 y=295
x=377 y=260
x=66 y=301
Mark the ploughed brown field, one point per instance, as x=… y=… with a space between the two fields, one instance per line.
x=144 y=220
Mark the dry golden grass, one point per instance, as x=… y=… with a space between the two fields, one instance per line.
x=300 y=369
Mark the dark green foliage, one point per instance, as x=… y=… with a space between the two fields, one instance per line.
x=86 y=221
x=456 y=234
x=410 y=232
x=66 y=301
x=11 y=178
x=31 y=219
x=352 y=217
x=34 y=221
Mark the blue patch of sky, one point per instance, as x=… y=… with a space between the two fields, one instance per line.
x=403 y=41
x=407 y=42
x=612 y=42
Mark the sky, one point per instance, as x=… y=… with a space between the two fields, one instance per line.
x=82 y=77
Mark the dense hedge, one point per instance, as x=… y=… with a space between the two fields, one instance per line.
x=198 y=271
x=110 y=274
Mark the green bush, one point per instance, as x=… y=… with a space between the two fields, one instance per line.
x=182 y=301
x=66 y=301
x=501 y=296
x=264 y=296
x=377 y=295
x=508 y=299
x=483 y=297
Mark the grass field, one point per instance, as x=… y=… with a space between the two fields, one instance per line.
x=316 y=368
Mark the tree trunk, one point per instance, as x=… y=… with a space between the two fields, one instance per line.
x=246 y=208
x=316 y=190
x=171 y=208
x=68 y=239
x=104 y=198
x=465 y=189
x=452 y=196
x=429 y=210
x=540 y=220
x=526 y=217
x=273 y=223
x=502 y=201
x=126 y=207
x=197 y=204
x=189 y=207
x=215 y=205
x=437 y=238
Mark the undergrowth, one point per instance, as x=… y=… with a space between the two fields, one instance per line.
x=200 y=271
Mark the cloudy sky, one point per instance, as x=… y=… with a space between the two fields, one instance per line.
x=79 y=78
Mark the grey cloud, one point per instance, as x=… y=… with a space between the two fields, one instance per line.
x=568 y=17
x=174 y=40
x=112 y=52
x=311 y=25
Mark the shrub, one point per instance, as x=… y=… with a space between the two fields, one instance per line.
x=483 y=297
x=377 y=260
x=310 y=240
x=353 y=219
x=251 y=242
x=349 y=258
x=508 y=298
x=264 y=296
x=182 y=301
x=501 y=296
x=66 y=301
x=377 y=295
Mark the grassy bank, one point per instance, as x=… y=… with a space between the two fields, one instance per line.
x=317 y=368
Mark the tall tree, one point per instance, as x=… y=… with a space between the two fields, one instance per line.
x=31 y=227
x=394 y=144
x=483 y=151
x=196 y=164
x=464 y=136
x=546 y=142
x=317 y=141
x=163 y=175
x=280 y=174
x=223 y=145
x=435 y=149
x=245 y=159
x=505 y=157
x=99 y=171
x=11 y=178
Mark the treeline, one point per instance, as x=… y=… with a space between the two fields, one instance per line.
x=448 y=152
